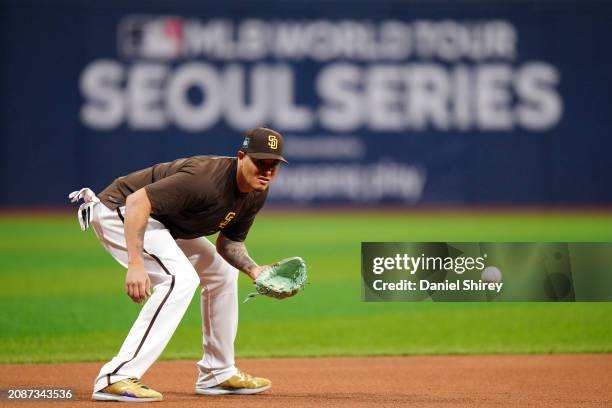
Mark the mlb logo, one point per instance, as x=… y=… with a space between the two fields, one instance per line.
x=154 y=37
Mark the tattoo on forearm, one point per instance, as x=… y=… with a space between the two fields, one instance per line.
x=235 y=253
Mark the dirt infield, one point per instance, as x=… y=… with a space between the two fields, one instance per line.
x=441 y=381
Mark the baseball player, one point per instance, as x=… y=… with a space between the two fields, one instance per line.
x=153 y=222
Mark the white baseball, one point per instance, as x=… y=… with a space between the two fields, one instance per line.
x=491 y=274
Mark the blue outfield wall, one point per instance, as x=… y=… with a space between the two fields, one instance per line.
x=453 y=103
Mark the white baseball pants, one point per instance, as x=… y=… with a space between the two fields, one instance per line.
x=175 y=268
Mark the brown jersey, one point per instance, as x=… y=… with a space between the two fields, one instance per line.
x=192 y=197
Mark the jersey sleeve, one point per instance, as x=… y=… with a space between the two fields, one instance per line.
x=239 y=231
x=174 y=193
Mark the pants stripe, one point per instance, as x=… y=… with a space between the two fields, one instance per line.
x=156 y=312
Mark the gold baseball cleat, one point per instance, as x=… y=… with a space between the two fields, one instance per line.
x=241 y=383
x=128 y=390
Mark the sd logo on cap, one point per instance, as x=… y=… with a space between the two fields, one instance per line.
x=263 y=143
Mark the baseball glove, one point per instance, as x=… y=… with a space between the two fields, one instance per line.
x=282 y=279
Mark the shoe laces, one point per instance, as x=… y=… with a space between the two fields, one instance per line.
x=244 y=376
x=136 y=382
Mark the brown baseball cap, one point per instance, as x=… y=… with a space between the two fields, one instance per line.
x=263 y=143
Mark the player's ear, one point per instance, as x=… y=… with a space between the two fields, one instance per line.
x=241 y=155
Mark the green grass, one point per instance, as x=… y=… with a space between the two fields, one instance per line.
x=62 y=295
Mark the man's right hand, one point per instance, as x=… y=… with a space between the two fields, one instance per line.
x=137 y=283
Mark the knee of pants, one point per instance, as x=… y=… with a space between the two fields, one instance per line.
x=225 y=281
x=187 y=281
